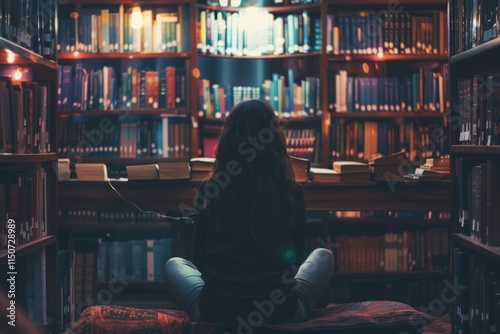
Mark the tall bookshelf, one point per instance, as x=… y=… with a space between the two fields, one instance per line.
x=28 y=183
x=224 y=70
x=128 y=65
x=270 y=52
x=475 y=153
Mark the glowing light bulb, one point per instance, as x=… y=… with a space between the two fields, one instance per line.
x=18 y=74
x=136 y=19
x=76 y=53
x=380 y=55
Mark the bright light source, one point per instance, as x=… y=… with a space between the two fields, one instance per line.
x=380 y=55
x=18 y=74
x=136 y=17
x=76 y=53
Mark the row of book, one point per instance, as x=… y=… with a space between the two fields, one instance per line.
x=24 y=117
x=479 y=110
x=30 y=24
x=477 y=22
x=421 y=250
x=134 y=260
x=23 y=198
x=292 y=100
x=236 y=33
x=476 y=304
x=168 y=136
x=370 y=139
x=65 y=293
x=477 y=200
x=83 y=88
x=111 y=217
x=303 y=143
x=424 y=90
x=422 y=215
x=105 y=31
x=386 y=32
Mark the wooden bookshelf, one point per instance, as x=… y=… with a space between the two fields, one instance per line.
x=124 y=112
x=387 y=114
x=13 y=54
x=121 y=55
x=32 y=246
x=387 y=57
x=15 y=158
x=490 y=252
x=475 y=158
x=281 y=56
x=26 y=162
x=273 y=9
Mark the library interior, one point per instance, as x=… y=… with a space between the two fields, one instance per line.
x=156 y=155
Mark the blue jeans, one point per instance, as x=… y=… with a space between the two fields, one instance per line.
x=185 y=283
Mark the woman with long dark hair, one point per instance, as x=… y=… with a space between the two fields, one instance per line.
x=250 y=232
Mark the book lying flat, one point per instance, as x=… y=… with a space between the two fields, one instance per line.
x=91 y=172
x=173 y=170
x=325 y=175
x=142 y=172
x=350 y=167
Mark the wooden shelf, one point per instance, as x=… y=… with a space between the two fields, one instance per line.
x=120 y=55
x=387 y=114
x=386 y=57
x=282 y=56
x=490 y=252
x=127 y=2
x=391 y=274
x=135 y=161
x=273 y=9
x=392 y=222
x=29 y=247
x=221 y=121
x=476 y=149
x=484 y=49
x=15 y=55
x=384 y=3
x=120 y=112
x=103 y=227
x=85 y=195
x=13 y=158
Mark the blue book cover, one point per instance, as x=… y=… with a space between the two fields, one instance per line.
x=274 y=91
x=290 y=90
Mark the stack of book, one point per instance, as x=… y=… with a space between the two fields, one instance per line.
x=391 y=167
x=434 y=169
x=174 y=170
x=352 y=171
x=200 y=168
x=91 y=172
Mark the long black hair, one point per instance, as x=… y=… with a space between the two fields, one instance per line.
x=253 y=173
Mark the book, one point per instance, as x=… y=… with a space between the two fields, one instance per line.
x=173 y=170
x=324 y=175
x=350 y=167
x=301 y=168
x=91 y=172
x=143 y=172
x=200 y=168
x=392 y=159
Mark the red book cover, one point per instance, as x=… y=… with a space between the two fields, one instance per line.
x=170 y=80
x=152 y=89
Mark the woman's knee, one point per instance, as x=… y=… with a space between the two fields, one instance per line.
x=173 y=264
x=323 y=255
